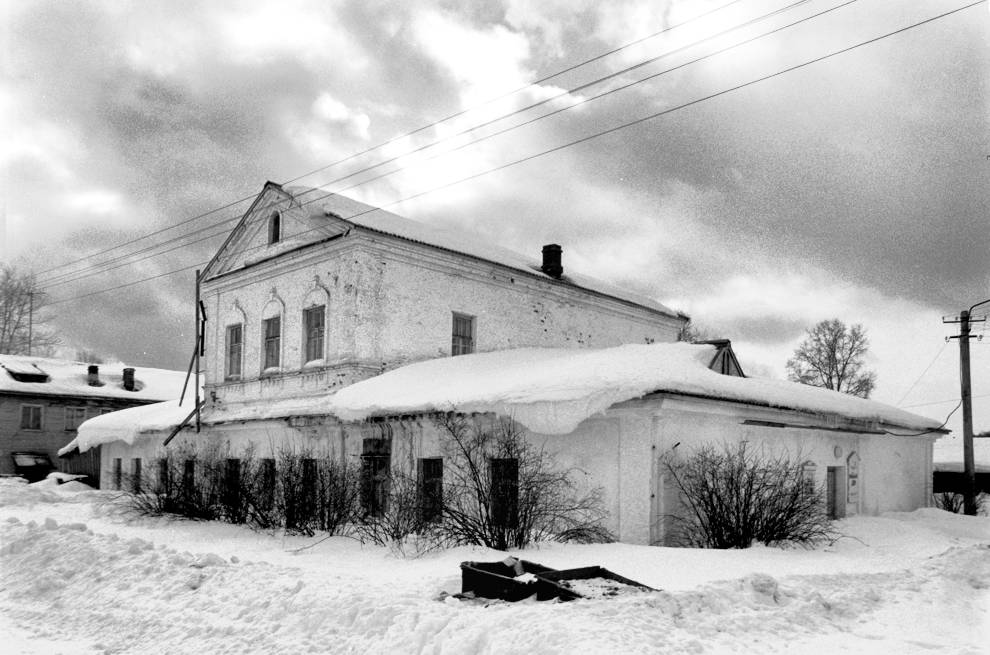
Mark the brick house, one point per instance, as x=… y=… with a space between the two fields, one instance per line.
x=43 y=401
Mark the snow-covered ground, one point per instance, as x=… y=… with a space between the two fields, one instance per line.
x=80 y=576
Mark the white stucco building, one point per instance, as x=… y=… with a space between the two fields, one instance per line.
x=331 y=325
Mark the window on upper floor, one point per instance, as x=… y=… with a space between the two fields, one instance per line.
x=314 y=324
x=274 y=228
x=273 y=342
x=234 y=350
x=31 y=417
x=462 y=335
x=74 y=416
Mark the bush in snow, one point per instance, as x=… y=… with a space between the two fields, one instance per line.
x=953 y=502
x=730 y=497
x=502 y=492
x=315 y=493
x=405 y=524
x=298 y=492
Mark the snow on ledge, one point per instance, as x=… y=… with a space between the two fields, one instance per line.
x=551 y=391
x=128 y=424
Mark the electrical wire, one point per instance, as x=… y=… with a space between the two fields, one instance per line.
x=605 y=132
x=920 y=434
x=927 y=368
x=407 y=134
x=747 y=23
x=69 y=277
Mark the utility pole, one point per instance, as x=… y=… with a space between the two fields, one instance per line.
x=969 y=463
x=30 y=320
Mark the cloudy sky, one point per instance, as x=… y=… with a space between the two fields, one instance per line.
x=854 y=187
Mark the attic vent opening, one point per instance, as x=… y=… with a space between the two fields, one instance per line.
x=274 y=228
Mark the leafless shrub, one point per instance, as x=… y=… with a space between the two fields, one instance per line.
x=483 y=505
x=732 y=496
x=296 y=491
x=956 y=503
x=402 y=526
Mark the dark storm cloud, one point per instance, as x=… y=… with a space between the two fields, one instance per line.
x=870 y=168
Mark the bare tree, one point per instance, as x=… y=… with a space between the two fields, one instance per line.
x=23 y=315
x=831 y=356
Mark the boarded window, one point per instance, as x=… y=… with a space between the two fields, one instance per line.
x=31 y=417
x=117 y=472
x=274 y=228
x=273 y=341
x=431 y=488
x=462 y=335
x=74 y=416
x=235 y=349
x=505 y=492
x=314 y=323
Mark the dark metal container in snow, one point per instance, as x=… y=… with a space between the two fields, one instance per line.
x=576 y=583
x=505 y=581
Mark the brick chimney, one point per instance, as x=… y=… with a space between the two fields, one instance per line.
x=93 y=375
x=129 y=379
x=551 y=261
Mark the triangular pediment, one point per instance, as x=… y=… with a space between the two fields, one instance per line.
x=300 y=221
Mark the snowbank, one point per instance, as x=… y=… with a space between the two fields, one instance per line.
x=551 y=391
x=77 y=577
x=128 y=424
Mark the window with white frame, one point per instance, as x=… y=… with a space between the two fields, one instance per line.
x=234 y=350
x=462 y=335
x=31 y=417
x=74 y=416
x=314 y=324
x=272 y=329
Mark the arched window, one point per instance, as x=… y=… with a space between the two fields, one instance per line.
x=274 y=228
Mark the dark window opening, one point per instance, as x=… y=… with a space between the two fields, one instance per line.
x=275 y=228
x=31 y=417
x=314 y=322
x=505 y=492
x=273 y=341
x=376 y=460
x=117 y=472
x=462 y=335
x=431 y=488
x=136 y=475
x=235 y=348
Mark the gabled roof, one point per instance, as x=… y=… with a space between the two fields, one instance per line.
x=319 y=212
x=553 y=390
x=41 y=376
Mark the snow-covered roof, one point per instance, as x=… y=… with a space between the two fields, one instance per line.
x=552 y=391
x=60 y=377
x=379 y=220
x=128 y=424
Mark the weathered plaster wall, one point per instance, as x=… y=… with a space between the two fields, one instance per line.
x=621 y=451
x=390 y=303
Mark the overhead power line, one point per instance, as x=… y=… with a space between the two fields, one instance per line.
x=613 y=129
x=406 y=134
x=84 y=273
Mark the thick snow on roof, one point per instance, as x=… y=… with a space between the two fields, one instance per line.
x=552 y=391
x=69 y=378
x=128 y=424
x=386 y=222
